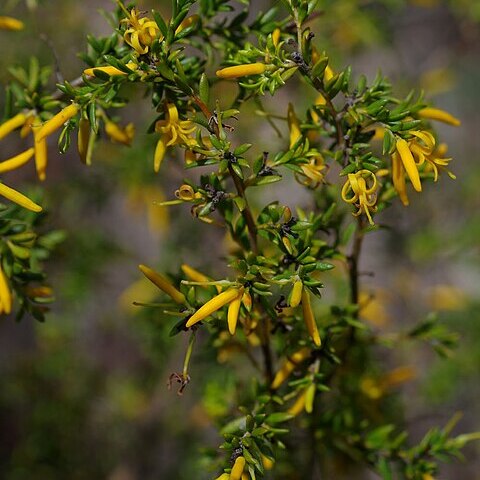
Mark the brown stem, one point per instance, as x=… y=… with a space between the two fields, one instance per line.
x=353 y=261
x=247 y=213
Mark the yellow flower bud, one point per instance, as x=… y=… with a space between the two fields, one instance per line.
x=310 y=318
x=409 y=163
x=119 y=134
x=18 y=198
x=213 y=305
x=299 y=404
x=267 y=462
x=276 y=37
x=237 y=469
x=40 y=152
x=233 y=311
x=159 y=155
x=109 y=70
x=11 y=124
x=10 y=23
x=296 y=294
x=163 y=284
x=242 y=70
x=223 y=476
x=57 y=121
x=439 y=115
x=5 y=294
x=293 y=125
x=17 y=161
x=188 y=22
x=289 y=366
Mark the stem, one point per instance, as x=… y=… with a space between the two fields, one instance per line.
x=353 y=261
x=247 y=213
x=188 y=355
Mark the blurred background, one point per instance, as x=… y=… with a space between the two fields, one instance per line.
x=84 y=395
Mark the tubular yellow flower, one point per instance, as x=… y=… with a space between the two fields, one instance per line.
x=233 y=311
x=439 y=115
x=223 y=476
x=10 y=23
x=57 y=121
x=363 y=196
x=289 y=366
x=276 y=37
x=17 y=161
x=242 y=70
x=267 y=462
x=18 y=198
x=299 y=404
x=40 y=151
x=237 y=469
x=398 y=178
x=320 y=100
x=310 y=318
x=296 y=294
x=293 y=126
x=118 y=134
x=109 y=70
x=409 y=163
x=141 y=32
x=163 y=284
x=174 y=132
x=159 y=155
x=213 y=305
x=11 y=124
x=83 y=140
x=313 y=172
x=188 y=22
x=5 y=294
x=27 y=126
x=193 y=274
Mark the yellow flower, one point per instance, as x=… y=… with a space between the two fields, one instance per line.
x=313 y=171
x=289 y=366
x=267 y=462
x=40 y=146
x=11 y=124
x=10 y=23
x=118 y=134
x=223 y=476
x=296 y=294
x=433 y=157
x=163 y=284
x=18 y=198
x=5 y=294
x=174 y=132
x=320 y=100
x=293 y=126
x=237 y=469
x=372 y=308
x=213 y=305
x=17 y=161
x=188 y=22
x=276 y=37
x=242 y=70
x=299 y=405
x=57 y=121
x=439 y=115
x=233 y=311
x=310 y=318
x=141 y=32
x=408 y=163
x=363 y=196
x=83 y=141
x=446 y=297
x=187 y=194
x=109 y=70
